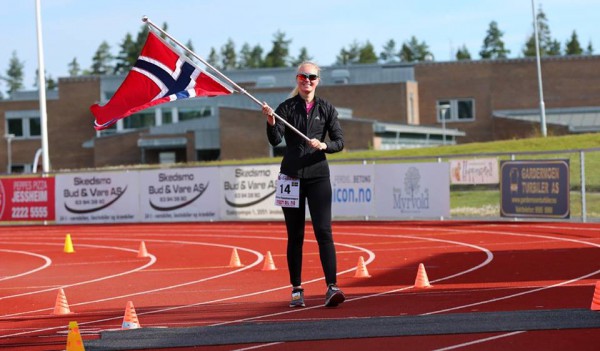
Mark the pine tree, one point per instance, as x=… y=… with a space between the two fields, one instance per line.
x=349 y=56
x=302 y=57
x=127 y=55
x=415 y=51
x=572 y=46
x=493 y=46
x=388 y=55
x=74 y=68
x=548 y=46
x=463 y=53
x=101 y=62
x=279 y=55
x=590 y=49
x=213 y=58
x=14 y=74
x=190 y=46
x=228 y=55
x=367 y=53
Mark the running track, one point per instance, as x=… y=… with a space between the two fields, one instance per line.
x=474 y=267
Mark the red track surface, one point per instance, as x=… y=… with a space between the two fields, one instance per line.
x=187 y=281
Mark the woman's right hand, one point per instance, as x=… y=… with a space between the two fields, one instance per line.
x=268 y=111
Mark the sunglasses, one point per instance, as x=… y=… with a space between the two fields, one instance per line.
x=310 y=77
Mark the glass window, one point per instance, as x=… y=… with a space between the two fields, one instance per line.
x=15 y=126
x=35 y=127
x=188 y=113
x=454 y=110
x=167 y=116
x=140 y=120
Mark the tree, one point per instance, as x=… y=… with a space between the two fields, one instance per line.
x=572 y=46
x=228 y=55
x=548 y=46
x=127 y=55
x=279 y=54
x=140 y=40
x=590 y=49
x=190 y=46
x=463 y=53
x=349 y=56
x=50 y=82
x=414 y=51
x=74 y=68
x=388 y=55
x=213 y=58
x=251 y=57
x=101 y=62
x=367 y=53
x=493 y=46
x=302 y=57
x=14 y=74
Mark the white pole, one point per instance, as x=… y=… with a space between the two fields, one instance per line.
x=539 y=72
x=222 y=76
x=42 y=90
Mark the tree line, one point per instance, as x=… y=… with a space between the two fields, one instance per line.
x=227 y=57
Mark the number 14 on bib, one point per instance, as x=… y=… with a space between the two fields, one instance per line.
x=288 y=191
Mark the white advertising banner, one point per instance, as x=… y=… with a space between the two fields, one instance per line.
x=352 y=190
x=180 y=195
x=110 y=197
x=474 y=171
x=249 y=192
x=418 y=190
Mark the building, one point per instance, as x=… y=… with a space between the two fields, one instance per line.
x=381 y=107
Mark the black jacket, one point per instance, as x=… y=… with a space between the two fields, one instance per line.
x=300 y=160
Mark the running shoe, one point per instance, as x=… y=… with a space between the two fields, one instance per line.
x=297 y=298
x=334 y=296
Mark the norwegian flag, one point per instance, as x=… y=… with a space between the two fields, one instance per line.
x=159 y=75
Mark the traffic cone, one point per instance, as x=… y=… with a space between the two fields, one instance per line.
x=235 y=259
x=422 y=281
x=68 y=244
x=361 y=269
x=130 y=319
x=596 y=299
x=61 y=306
x=142 y=252
x=269 y=264
x=74 y=341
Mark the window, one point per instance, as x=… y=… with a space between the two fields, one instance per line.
x=189 y=113
x=23 y=124
x=455 y=110
x=140 y=120
x=167 y=116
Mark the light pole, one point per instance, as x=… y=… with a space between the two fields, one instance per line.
x=9 y=138
x=539 y=72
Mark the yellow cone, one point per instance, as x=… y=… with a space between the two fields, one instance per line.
x=68 y=244
x=74 y=341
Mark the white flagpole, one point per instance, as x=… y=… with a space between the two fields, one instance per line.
x=222 y=76
x=42 y=92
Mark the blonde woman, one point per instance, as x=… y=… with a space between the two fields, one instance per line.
x=306 y=162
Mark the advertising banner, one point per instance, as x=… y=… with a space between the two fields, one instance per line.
x=352 y=190
x=110 y=197
x=474 y=171
x=27 y=199
x=538 y=188
x=180 y=195
x=249 y=192
x=418 y=190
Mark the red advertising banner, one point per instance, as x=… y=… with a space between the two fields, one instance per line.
x=27 y=199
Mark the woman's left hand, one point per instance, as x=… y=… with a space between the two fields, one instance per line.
x=317 y=144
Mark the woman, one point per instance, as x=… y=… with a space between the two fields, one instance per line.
x=306 y=162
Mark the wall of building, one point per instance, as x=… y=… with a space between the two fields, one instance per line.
x=117 y=149
x=243 y=134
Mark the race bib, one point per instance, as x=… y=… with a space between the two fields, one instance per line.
x=288 y=191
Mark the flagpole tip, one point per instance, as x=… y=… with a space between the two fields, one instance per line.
x=144 y=18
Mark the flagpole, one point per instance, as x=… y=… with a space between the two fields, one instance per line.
x=222 y=76
x=42 y=92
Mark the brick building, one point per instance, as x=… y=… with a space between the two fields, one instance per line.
x=381 y=107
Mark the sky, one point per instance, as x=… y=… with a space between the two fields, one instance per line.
x=75 y=28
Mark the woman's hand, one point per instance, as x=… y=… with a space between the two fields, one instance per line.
x=317 y=144
x=268 y=111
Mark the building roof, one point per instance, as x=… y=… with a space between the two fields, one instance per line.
x=577 y=119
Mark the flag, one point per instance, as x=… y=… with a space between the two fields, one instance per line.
x=159 y=75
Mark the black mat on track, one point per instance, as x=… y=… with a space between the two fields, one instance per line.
x=256 y=332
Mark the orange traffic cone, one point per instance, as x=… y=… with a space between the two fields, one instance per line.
x=61 y=306
x=142 y=252
x=68 y=244
x=130 y=319
x=596 y=299
x=269 y=264
x=74 y=341
x=422 y=281
x=361 y=269
x=235 y=259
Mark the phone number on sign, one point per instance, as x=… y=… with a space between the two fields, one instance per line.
x=30 y=212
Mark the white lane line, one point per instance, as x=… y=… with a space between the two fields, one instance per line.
x=46 y=259
x=480 y=341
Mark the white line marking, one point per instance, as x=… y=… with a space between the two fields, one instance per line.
x=46 y=259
